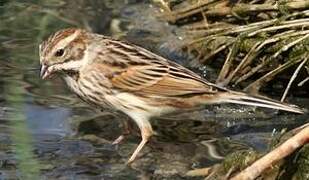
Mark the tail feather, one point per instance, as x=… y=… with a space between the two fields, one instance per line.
x=242 y=98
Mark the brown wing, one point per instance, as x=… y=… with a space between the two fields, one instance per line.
x=140 y=71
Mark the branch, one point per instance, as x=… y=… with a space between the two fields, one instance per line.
x=274 y=156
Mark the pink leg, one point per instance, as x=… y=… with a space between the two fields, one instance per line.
x=127 y=129
x=119 y=139
x=146 y=132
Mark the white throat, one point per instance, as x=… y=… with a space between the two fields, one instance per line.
x=71 y=65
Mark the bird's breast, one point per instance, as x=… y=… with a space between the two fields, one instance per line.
x=89 y=90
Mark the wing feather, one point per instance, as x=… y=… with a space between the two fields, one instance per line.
x=142 y=72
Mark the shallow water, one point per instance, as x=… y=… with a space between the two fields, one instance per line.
x=70 y=140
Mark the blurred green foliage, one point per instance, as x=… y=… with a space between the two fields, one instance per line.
x=23 y=25
x=27 y=165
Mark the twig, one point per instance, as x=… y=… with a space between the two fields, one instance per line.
x=227 y=63
x=221 y=48
x=255 y=69
x=286 y=47
x=255 y=86
x=242 y=8
x=252 y=71
x=274 y=156
x=252 y=53
x=190 y=10
x=254 y=28
x=199 y=172
x=275 y=28
x=292 y=79
x=246 y=60
x=204 y=17
x=276 y=38
x=164 y=5
x=303 y=82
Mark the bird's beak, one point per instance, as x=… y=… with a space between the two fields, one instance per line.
x=44 y=73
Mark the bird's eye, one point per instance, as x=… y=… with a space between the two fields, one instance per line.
x=59 y=52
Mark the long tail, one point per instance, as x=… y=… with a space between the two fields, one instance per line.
x=242 y=98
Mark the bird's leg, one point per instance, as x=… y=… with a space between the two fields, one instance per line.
x=127 y=129
x=146 y=132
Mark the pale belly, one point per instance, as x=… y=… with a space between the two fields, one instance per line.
x=114 y=101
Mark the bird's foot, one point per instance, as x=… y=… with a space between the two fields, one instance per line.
x=119 y=139
x=146 y=133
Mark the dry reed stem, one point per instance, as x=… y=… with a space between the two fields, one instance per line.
x=292 y=79
x=199 y=172
x=223 y=8
x=256 y=85
x=247 y=59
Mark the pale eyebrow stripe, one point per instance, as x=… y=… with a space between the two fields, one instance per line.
x=64 y=42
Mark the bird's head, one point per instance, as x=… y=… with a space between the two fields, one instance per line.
x=63 y=51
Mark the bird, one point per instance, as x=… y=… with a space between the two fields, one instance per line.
x=116 y=75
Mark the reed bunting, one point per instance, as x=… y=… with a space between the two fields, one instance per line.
x=116 y=75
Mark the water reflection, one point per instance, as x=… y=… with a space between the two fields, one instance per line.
x=45 y=120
